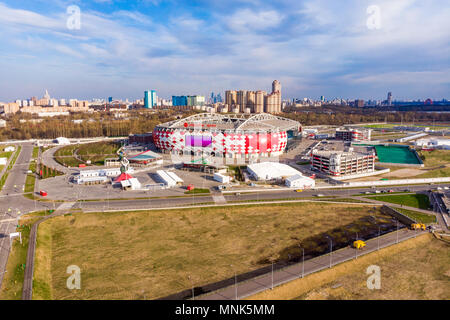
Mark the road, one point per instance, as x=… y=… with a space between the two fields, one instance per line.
x=13 y=204
x=257 y=196
x=240 y=290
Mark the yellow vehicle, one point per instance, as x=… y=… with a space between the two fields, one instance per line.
x=299 y=190
x=359 y=244
x=418 y=226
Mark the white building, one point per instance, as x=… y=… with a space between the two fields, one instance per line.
x=271 y=171
x=10 y=149
x=300 y=181
x=169 y=178
x=433 y=143
x=99 y=175
x=221 y=178
x=132 y=184
x=3 y=161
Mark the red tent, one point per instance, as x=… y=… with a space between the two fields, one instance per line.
x=122 y=177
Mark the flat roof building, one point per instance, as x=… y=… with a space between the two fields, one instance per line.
x=341 y=163
x=353 y=134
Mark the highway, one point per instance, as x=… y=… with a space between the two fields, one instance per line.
x=13 y=204
x=12 y=207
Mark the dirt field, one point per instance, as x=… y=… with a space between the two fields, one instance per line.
x=415 y=269
x=151 y=254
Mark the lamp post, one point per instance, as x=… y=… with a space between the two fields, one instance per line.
x=397 y=231
x=192 y=285
x=331 y=249
x=272 y=276
x=378 y=239
x=303 y=260
x=235 y=283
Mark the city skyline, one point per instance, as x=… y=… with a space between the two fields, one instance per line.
x=314 y=48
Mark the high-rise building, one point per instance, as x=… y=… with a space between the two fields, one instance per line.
x=389 y=99
x=359 y=103
x=255 y=101
x=230 y=97
x=150 y=99
x=241 y=98
x=276 y=86
x=46 y=95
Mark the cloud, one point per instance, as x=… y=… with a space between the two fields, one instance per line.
x=179 y=47
x=248 y=20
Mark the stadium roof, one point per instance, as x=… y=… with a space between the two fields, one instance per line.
x=234 y=122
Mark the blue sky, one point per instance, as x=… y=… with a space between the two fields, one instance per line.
x=313 y=47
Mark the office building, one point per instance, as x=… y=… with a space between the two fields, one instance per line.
x=353 y=134
x=150 y=99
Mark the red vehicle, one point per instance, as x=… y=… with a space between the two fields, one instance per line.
x=43 y=193
x=81 y=165
x=190 y=187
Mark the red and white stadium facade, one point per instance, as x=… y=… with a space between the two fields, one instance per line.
x=217 y=135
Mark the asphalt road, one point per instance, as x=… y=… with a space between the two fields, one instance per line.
x=10 y=207
x=196 y=199
x=269 y=280
x=13 y=204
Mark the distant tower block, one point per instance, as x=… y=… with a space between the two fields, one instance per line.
x=276 y=86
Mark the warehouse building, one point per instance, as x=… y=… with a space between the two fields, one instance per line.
x=169 y=178
x=353 y=134
x=300 y=182
x=271 y=171
x=433 y=143
x=341 y=163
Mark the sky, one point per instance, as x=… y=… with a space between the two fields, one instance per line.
x=348 y=49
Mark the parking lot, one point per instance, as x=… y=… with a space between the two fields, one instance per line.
x=61 y=188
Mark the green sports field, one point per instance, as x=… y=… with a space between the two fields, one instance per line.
x=396 y=154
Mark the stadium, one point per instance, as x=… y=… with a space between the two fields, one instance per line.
x=226 y=136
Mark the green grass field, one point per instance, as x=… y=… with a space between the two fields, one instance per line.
x=420 y=201
x=95 y=152
x=418 y=216
x=151 y=254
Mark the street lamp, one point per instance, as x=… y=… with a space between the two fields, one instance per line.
x=235 y=283
x=397 y=231
x=331 y=248
x=192 y=285
x=378 y=239
x=303 y=260
x=272 y=276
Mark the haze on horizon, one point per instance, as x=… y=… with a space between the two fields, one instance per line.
x=313 y=47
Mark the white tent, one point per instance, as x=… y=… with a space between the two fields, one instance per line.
x=271 y=170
